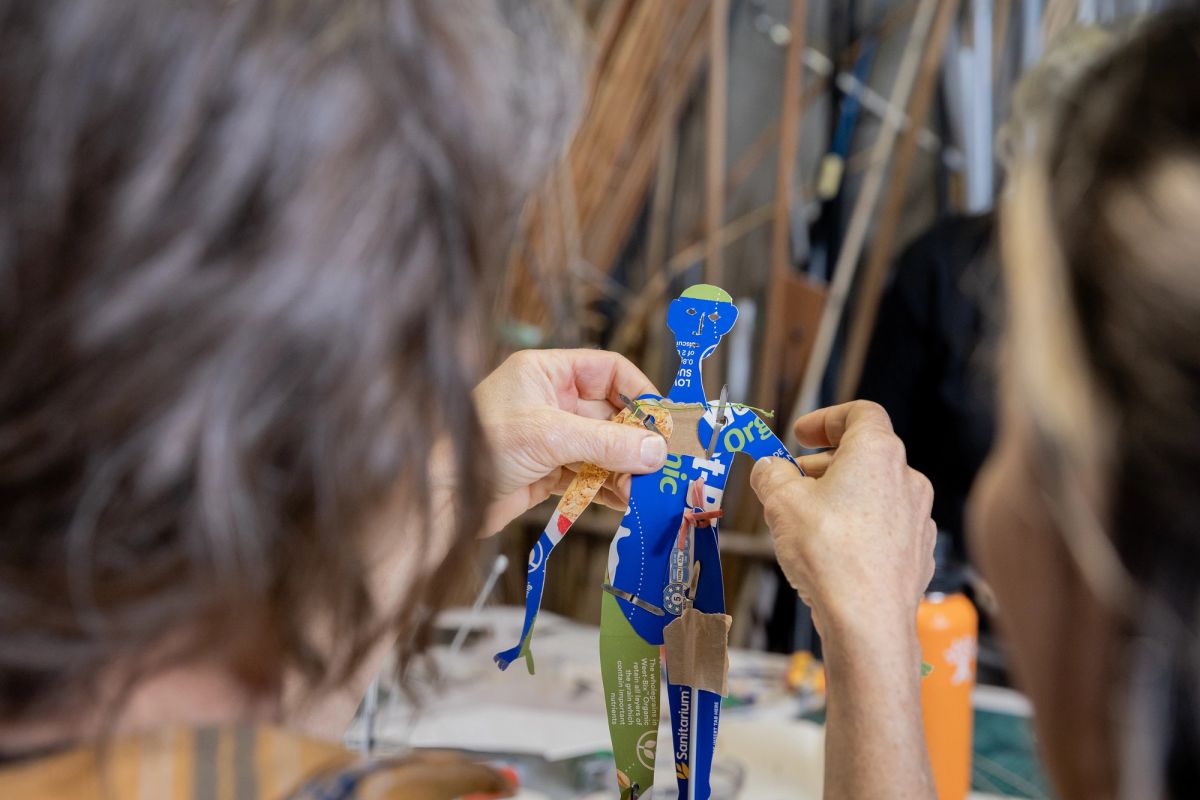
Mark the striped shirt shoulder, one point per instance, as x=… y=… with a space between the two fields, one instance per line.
x=241 y=762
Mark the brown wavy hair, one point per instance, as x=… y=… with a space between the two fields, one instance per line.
x=247 y=251
x=1103 y=267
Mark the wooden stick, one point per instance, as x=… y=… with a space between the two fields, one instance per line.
x=856 y=233
x=658 y=232
x=781 y=257
x=1000 y=17
x=728 y=234
x=741 y=170
x=714 y=150
x=817 y=87
x=768 y=137
x=612 y=17
x=870 y=289
x=626 y=162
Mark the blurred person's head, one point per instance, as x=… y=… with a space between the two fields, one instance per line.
x=1087 y=517
x=1045 y=85
x=247 y=251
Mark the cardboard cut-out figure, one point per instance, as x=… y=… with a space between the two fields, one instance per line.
x=663 y=582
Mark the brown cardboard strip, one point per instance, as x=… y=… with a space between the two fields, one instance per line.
x=698 y=651
x=685 y=435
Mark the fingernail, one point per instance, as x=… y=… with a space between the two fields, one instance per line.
x=765 y=463
x=760 y=467
x=654 y=451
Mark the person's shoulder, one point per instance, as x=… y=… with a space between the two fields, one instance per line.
x=245 y=761
x=416 y=776
x=271 y=763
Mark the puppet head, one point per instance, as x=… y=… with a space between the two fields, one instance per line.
x=701 y=316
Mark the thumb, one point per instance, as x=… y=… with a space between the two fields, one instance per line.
x=611 y=445
x=771 y=476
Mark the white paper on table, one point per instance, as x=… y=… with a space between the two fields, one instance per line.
x=780 y=759
x=552 y=735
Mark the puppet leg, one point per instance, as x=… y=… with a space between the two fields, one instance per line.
x=696 y=712
x=535 y=583
x=630 y=668
x=631 y=627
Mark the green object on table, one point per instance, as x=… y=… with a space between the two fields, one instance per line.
x=1005 y=757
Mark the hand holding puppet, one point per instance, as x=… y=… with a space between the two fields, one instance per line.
x=663 y=585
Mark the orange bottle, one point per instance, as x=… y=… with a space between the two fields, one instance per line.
x=948 y=629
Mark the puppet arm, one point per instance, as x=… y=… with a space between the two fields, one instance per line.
x=575 y=500
x=761 y=441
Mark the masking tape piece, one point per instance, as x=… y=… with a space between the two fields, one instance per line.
x=685 y=438
x=698 y=651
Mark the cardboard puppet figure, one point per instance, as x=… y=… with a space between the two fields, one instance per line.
x=663 y=582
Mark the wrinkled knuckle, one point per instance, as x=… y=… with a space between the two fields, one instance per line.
x=777 y=524
x=780 y=491
x=869 y=409
x=887 y=447
x=541 y=420
x=762 y=478
x=540 y=433
x=614 y=441
x=781 y=513
x=507 y=431
x=924 y=487
x=522 y=358
x=774 y=514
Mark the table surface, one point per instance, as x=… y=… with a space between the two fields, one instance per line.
x=551 y=725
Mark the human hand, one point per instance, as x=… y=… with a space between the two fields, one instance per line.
x=854 y=537
x=545 y=412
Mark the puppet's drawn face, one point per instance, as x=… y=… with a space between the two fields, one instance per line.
x=701 y=316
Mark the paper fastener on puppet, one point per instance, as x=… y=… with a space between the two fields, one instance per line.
x=663 y=582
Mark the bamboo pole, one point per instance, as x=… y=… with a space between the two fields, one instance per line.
x=626 y=163
x=648 y=54
x=653 y=287
x=1001 y=17
x=864 y=206
x=781 y=259
x=870 y=290
x=658 y=232
x=714 y=150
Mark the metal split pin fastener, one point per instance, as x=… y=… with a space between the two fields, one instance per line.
x=640 y=415
x=630 y=598
x=719 y=421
